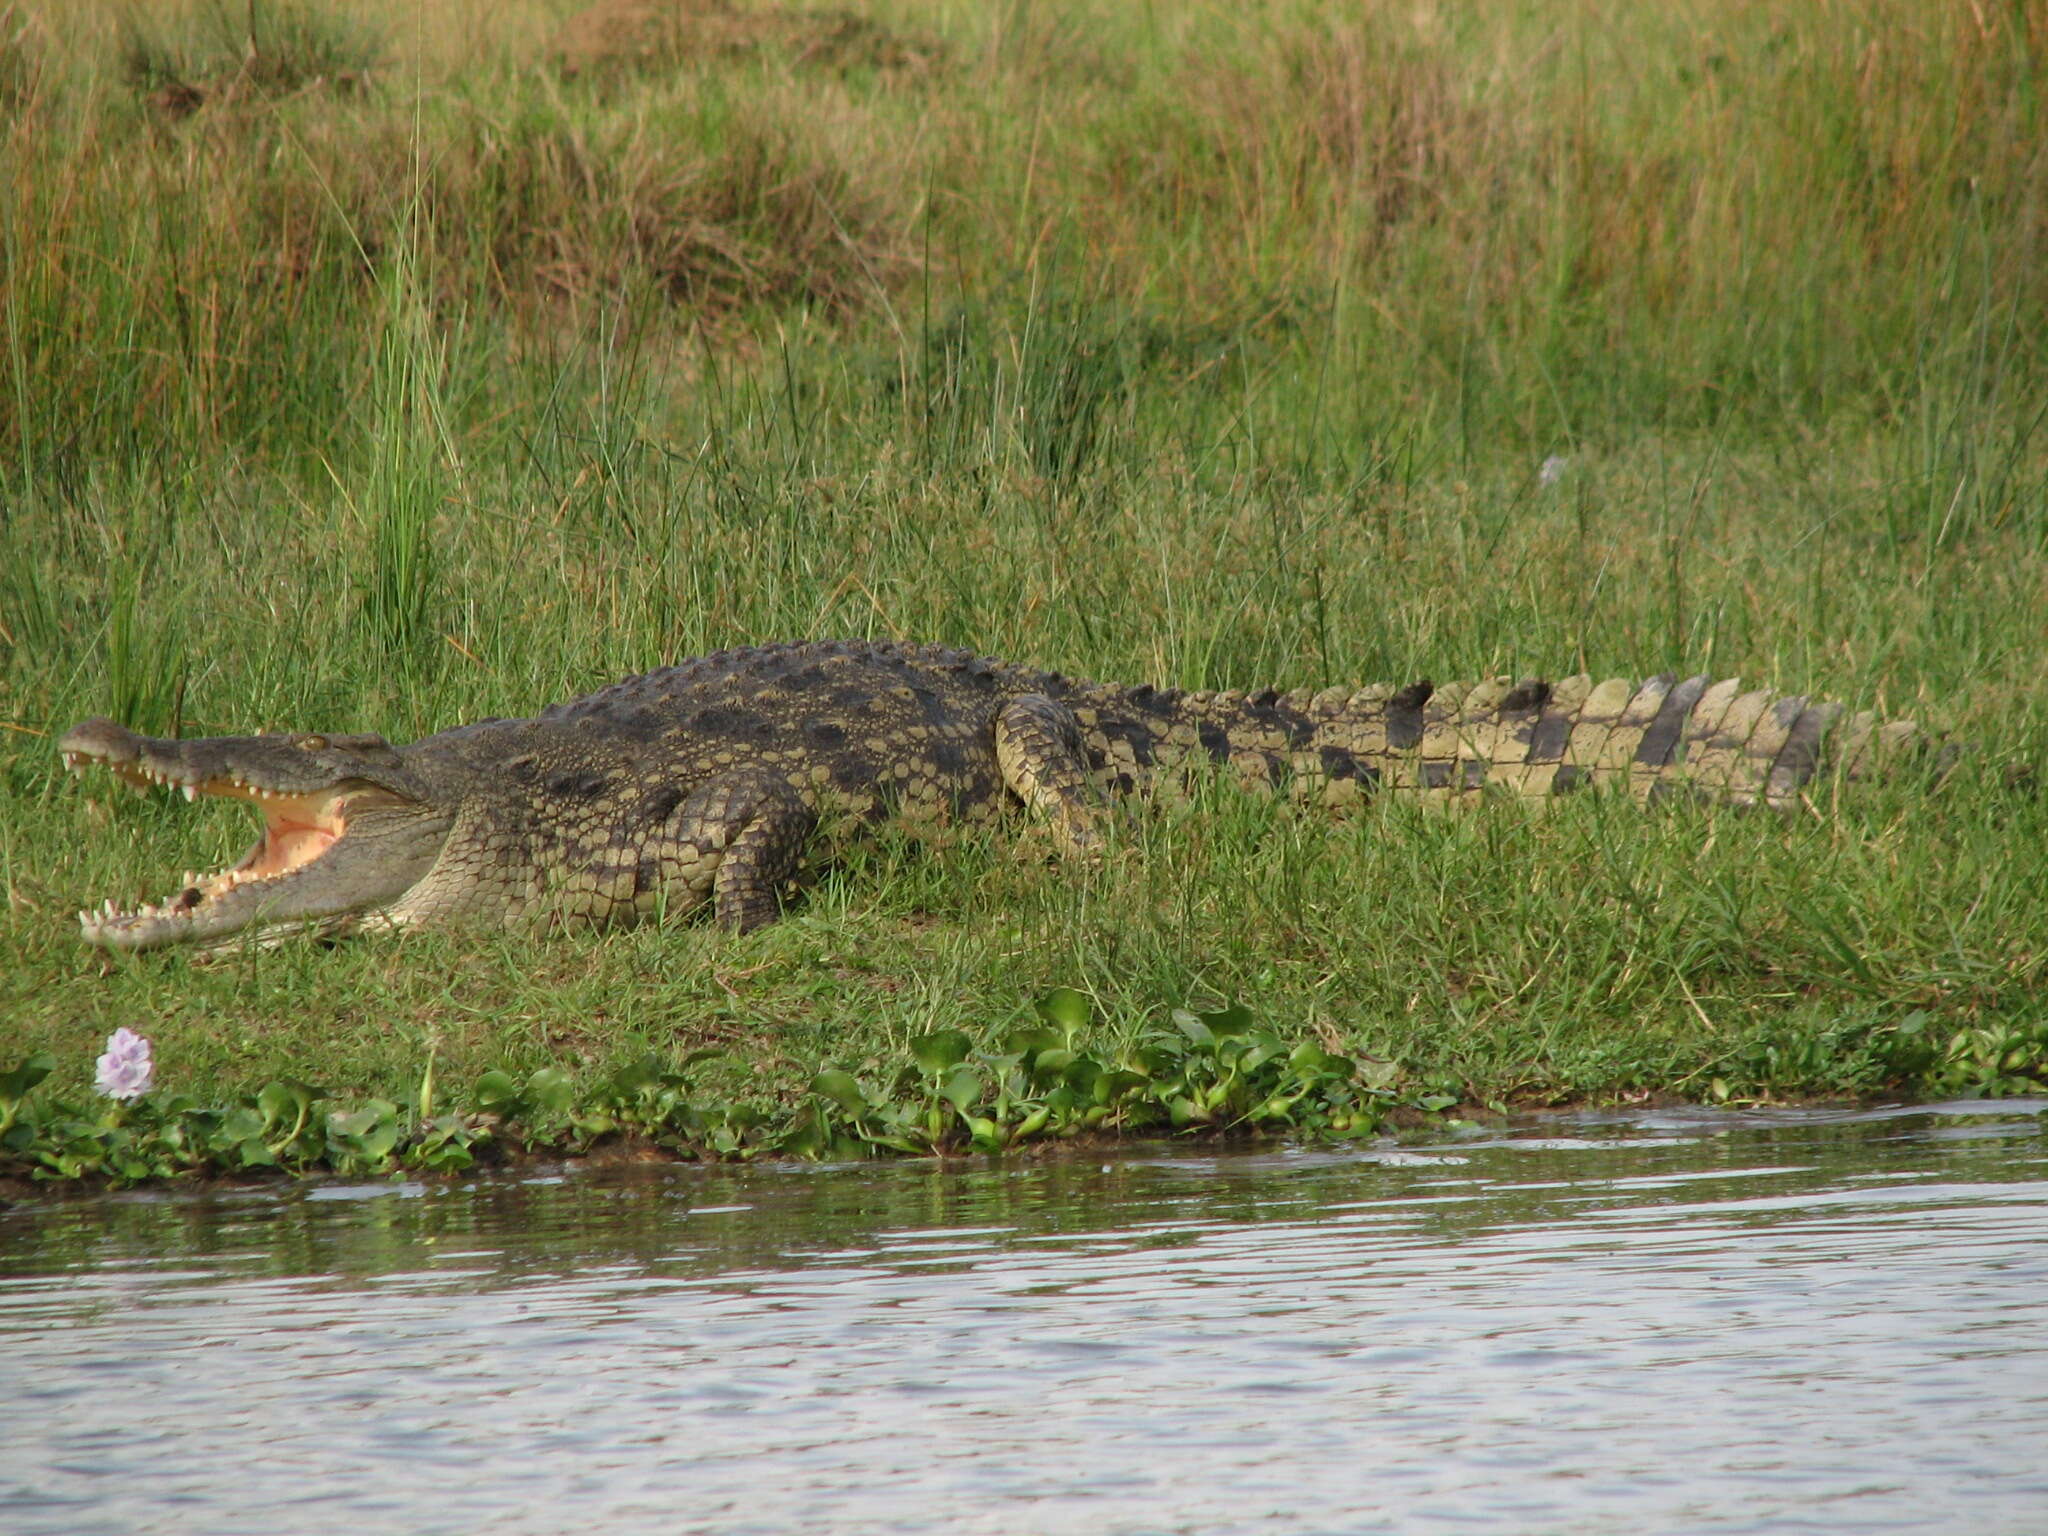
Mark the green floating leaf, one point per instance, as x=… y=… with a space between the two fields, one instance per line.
x=1053 y=1063
x=637 y=1075
x=1031 y=1039
x=841 y=1088
x=240 y=1125
x=371 y=1131
x=496 y=1091
x=1234 y=1020
x=1379 y=1076
x=1066 y=1010
x=283 y=1100
x=962 y=1089
x=1310 y=1057
x=444 y=1146
x=1116 y=1084
x=1159 y=1057
x=551 y=1090
x=940 y=1050
x=1192 y=1025
x=1082 y=1072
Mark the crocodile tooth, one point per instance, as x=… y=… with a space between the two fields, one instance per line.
x=191 y=793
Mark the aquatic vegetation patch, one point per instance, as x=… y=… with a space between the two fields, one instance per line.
x=1217 y=1073
x=1884 y=1050
x=1209 y=1074
x=1983 y=1061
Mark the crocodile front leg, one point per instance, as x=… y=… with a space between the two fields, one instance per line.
x=751 y=833
x=1044 y=761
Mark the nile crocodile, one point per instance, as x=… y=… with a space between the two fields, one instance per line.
x=711 y=779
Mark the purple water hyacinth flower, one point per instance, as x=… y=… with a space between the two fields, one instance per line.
x=126 y=1070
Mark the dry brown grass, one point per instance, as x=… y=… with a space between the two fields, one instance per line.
x=656 y=35
x=1725 y=202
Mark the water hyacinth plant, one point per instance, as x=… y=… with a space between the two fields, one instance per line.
x=127 y=1069
x=1064 y=1071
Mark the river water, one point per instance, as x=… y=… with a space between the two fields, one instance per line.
x=1662 y=1322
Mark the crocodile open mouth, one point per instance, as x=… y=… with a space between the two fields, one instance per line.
x=297 y=829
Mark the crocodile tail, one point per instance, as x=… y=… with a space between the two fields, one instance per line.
x=1659 y=736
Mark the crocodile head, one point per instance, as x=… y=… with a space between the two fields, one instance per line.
x=348 y=829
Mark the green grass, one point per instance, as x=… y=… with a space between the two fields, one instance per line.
x=372 y=381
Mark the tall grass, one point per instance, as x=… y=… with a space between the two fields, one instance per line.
x=407 y=478
x=1541 y=225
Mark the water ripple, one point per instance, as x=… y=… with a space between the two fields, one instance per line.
x=1774 y=1321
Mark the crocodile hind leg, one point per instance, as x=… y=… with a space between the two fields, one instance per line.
x=1044 y=761
x=752 y=832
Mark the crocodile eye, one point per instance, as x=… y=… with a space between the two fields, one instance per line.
x=313 y=743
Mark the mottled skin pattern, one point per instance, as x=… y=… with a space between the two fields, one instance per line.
x=710 y=780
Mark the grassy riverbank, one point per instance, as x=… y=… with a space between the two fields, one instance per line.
x=384 y=372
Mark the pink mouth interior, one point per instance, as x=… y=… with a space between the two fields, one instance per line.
x=293 y=835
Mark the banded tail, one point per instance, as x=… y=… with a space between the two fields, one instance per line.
x=1659 y=736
